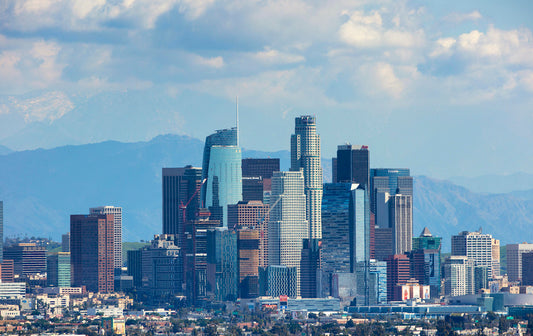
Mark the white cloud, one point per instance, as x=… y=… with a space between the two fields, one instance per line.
x=212 y=62
x=49 y=106
x=461 y=17
x=443 y=46
x=272 y=56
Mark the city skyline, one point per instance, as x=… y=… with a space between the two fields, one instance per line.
x=433 y=78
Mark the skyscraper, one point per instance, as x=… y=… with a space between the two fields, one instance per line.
x=222 y=168
x=1 y=231
x=390 y=180
x=353 y=164
x=181 y=192
x=248 y=249
x=495 y=257
x=305 y=156
x=398 y=273
x=222 y=263
x=288 y=226
x=117 y=214
x=514 y=259
x=58 y=269
x=310 y=276
x=476 y=246
x=28 y=258
x=92 y=251
x=458 y=275
x=425 y=261
x=401 y=219
x=257 y=177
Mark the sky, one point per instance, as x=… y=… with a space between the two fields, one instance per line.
x=442 y=87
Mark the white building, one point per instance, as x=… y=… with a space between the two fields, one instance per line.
x=476 y=246
x=305 y=156
x=287 y=225
x=401 y=219
x=117 y=213
x=12 y=290
x=459 y=276
x=514 y=259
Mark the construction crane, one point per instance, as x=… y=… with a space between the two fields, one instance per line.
x=183 y=208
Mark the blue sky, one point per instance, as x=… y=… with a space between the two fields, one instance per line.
x=442 y=87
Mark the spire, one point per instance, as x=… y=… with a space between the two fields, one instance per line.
x=426 y=233
x=237 y=118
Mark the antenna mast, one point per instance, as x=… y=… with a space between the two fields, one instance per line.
x=237 y=117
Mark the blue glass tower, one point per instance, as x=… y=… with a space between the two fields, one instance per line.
x=222 y=264
x=222 y=169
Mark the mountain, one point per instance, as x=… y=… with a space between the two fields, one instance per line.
x=496 y=184
x=446 y=209
x=41 y=188
x=4 y=150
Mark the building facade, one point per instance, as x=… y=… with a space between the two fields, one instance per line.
x=305 y=156
x=401 y=220
x=222 y=264
x=28 y=258
x=92 y=251
x=353 y=165
x=117 y=213
x=248 y=246
x=459 y=276
x=58 y=269
x=476 y=246
x=288 y=226
x=425 y=261
x=514 y=259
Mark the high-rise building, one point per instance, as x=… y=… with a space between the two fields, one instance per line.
x=527 y=269
x=305 y=156
x=401 y=220
x=134 y=262
x=222 y=168
x=514 y=259
x=345 y=227
x=92 y=252
x=161 y=268
x=391 y=180
x=398 y=273
x=257 y=177
x=8 y=271
x=1 y=231
x=252 y=214
x=222 y=263
x=459 y=276
x=288 y=226
x=353 y=165
x=58 y=269
x=384 y=244
x=195 y=255
x=248 y=244
x=495 y=257
x=425 y=261
x=377 y=282
x=28 y=258
x=65 y=242
x=181 y=198
x=278 y=280
x=310 y=276
x=117 y=220
x=476 y=246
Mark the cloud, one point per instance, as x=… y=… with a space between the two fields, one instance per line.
x=271 y=56
x=47 y=107
x=211 y=62
x=369 y=31
x=461 y=17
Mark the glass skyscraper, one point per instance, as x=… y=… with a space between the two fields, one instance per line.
x=223 y=269
x=222 y=168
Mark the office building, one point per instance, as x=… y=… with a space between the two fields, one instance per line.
x=58 y=269
x=459 y=277
x=1 y=230
x=514 y=259
x=65 y=242
x=28 y=258
x=353 y=165
x=305 y=156
x=401 y=220
x=257 y=177
x=222 y=264
x=134 y=263
x=117 y=220
x=391 y=180
x=222 y=168
x=377 y=282
x=7 y=271
x=398 y=273
x=276 y=281
x=384 y=244
x=181 y=198
x=92 y=252
x=288 y=226
x=425 y=261
x=527 y=269
x=476 y=246
x=495 y=258
x=310 y=275
x=161 y=268
x=248 y=244
x=195 y=255
x=252 y=214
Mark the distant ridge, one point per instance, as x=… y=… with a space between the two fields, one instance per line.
x=41 y=188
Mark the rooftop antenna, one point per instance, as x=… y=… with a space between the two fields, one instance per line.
x=237 y=118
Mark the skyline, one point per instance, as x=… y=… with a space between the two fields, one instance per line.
x=449 y=84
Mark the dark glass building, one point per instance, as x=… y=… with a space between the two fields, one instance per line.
x=310 y=276
x=259 y=167
x=28 y=258
x=353 y=164
x=58 y=269
x=222 y=265
x=181 y=192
